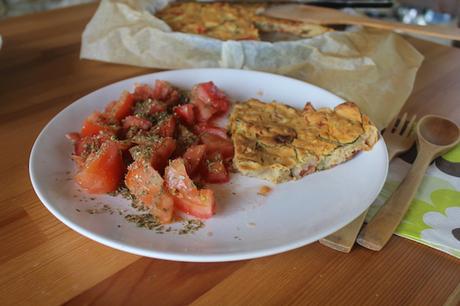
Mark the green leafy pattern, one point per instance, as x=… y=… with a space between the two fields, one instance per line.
x=412 y=224
x=443 y=199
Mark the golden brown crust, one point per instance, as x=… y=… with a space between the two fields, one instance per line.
x=280 y=143
x=227 y=21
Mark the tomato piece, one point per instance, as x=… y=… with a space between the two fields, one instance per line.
x=167 y=127
x=142 y=92
x=161 y=153
x=185 y=138
x=138 y=122
x=86 y=145
x=123 y=145
x=193 y=158
x=165 y=92
x=211 y=129
x=80 y=145
x=164 y=209
x=177 y=180
x=209 y=101
x=149 y=107
x=215 y=170
x=118 y=110
x=217 y=144
x=202 y=206
x=156 y=154
x=97 y=123
x=186 y=113
x=157 y=107
x=203 y=112
x=102 y=171
x=146 y=184
x=187 y=198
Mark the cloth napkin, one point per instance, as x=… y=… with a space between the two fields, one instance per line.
x=434 y=215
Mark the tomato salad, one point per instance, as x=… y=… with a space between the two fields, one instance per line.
x=160 y=142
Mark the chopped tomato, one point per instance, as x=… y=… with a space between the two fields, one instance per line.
x=202 y=206
x=185 y=138
x=177 y=180
x=146 y=184
x=145 y=130
x=167 y=127
x=193 y=158
x=142 y=92
x=211 y=129
x=209 y=101
x=218 y=144
x=86 y=145
x=118 y=110
x=161 y=153
x=157 y=107
x=186 y=113
x=187 y=198
x=138 y=122
x=123 y=145
x=102 y=171
x=156 y=154
x=78 y=148
x=203 y=112
x=215 y=171
x=97 y=123
x=83 y=146
x=165 y=92
x=164 y=208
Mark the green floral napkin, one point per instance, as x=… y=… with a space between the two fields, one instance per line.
x=434 y=215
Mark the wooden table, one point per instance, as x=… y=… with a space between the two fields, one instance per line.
x=44 y=262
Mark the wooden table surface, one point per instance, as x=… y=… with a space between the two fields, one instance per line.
x=43 y=262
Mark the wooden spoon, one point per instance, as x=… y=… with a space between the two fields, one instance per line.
x=325 y=16
x=436 y=135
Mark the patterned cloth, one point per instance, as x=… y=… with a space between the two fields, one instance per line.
x=434 y=215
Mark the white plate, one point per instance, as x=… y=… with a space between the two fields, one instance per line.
x=246 y=225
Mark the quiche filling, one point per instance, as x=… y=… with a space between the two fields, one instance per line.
x=279 y=143
x=227 y=21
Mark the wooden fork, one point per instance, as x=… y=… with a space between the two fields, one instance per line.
x=399 y=137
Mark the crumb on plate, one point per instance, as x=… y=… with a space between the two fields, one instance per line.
x=264 y=190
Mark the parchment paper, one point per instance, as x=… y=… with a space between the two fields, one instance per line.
x=374 y=68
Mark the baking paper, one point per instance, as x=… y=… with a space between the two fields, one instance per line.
x=374 y=68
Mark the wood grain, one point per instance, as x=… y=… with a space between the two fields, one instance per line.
x=42 y=262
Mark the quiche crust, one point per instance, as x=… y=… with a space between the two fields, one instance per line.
x=279 y=143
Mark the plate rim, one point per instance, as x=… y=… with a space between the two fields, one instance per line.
x=183 y=256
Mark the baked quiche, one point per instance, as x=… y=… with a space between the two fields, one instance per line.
x=279 y=143
x=228 y=21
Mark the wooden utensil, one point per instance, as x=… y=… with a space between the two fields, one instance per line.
x=399 y=138
x=325 y=16
x=435 y=136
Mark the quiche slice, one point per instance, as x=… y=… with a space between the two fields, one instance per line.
x=218 y=20
x=228 y=21
x=279 y=143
